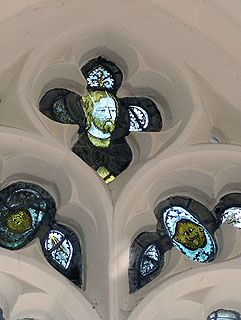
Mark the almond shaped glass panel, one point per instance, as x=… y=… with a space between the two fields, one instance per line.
x=232 y=216
x=223 y=314
x=189 y=235
x=62 y=250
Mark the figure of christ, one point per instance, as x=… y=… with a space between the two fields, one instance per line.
x=104 y=120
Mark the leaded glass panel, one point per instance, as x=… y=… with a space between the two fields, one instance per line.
x=62 y=250
x=150 y=260
x=146 y=260
x=232 y=216
x=104 y=119
x=23 y=208
x=27 y=211
x=1 y=315
x=189 y=235
x=223 y=314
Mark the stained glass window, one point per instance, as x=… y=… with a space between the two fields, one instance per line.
x=62 y=250
x=190 y=227
x=228 y=210
x=188 y=235
x=1 y=315
x=223 y=314
x=146 y=260
x=150 y=260
x=104 y=119
x=27 y=211
x=139 y=119
x=23 y=208
x=232 y=216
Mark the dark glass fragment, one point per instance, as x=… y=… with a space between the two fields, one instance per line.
x=146 y=260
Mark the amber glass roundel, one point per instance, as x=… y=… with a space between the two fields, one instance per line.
x=23 y=208
x=19 y=222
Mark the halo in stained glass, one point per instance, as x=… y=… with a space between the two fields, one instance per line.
x=222 y=314
x=139 y=119
x=232 y=216
x=188 y=234
x=23 y=208
x=62 y=250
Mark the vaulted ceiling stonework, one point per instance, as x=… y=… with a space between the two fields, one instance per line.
x=184 y=55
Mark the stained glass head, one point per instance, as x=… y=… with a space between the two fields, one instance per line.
x=189 y=235
x=101 y=108
x=104 y=119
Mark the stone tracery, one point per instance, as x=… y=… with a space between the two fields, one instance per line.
x=206 y=169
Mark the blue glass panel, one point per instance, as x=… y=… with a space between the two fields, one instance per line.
x=188 y=235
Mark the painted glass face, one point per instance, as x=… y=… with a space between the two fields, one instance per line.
x=232 y=216
x=222 y=314
x=60 y=248
x=103 y=118
x=189 y=235
x=104 y=114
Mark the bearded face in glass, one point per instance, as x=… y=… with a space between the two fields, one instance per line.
x=101 y=108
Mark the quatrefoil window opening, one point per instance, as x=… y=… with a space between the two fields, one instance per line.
x=104 y=119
